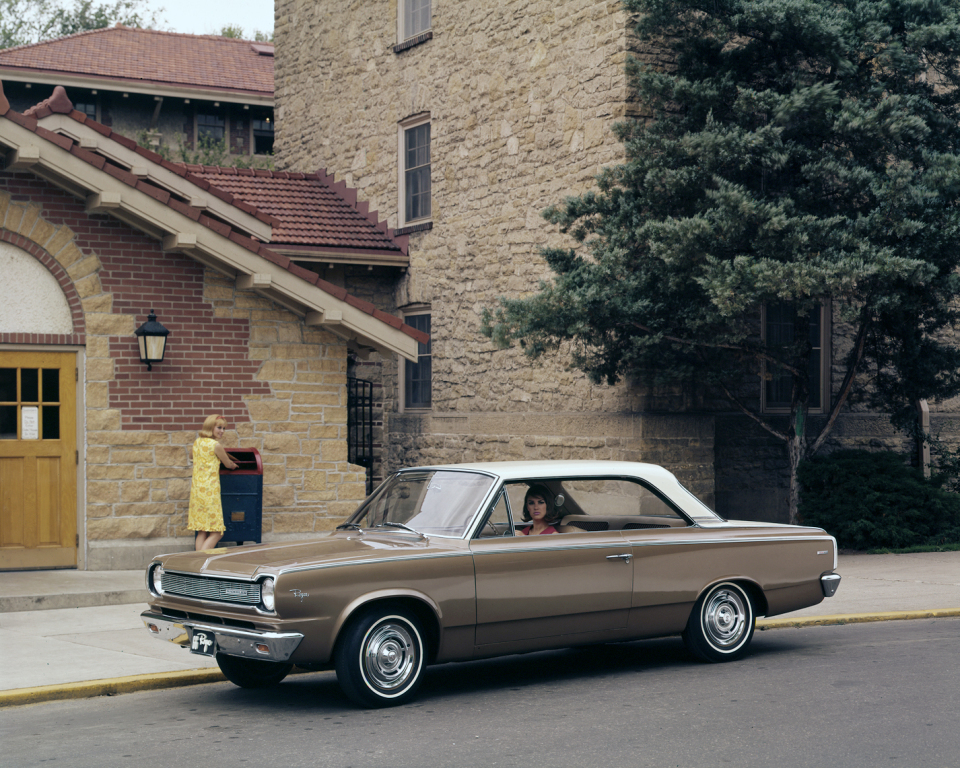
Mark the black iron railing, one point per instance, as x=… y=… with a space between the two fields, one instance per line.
x=360 y=426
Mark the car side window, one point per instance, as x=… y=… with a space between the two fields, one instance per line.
x=616 y=503
x=499 y=523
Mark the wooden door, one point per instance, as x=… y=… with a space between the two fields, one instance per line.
x=38 y=460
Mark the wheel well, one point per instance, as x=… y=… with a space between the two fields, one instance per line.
x=423 y=612
x=756 y=594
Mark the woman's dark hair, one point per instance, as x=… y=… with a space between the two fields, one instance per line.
x=544 y=493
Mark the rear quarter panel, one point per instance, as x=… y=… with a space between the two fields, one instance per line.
x=672 y=568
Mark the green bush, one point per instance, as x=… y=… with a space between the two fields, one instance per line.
x=874 y=500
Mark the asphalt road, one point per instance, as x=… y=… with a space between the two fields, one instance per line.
x=856 y=695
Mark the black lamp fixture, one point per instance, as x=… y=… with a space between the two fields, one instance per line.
x=152 y=338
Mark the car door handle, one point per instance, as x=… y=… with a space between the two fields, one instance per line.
x=625 y=558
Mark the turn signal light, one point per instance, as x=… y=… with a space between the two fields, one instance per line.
x=261 y=648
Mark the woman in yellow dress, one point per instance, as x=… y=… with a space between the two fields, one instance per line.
x=206 y=511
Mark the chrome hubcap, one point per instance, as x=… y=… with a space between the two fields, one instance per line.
x=389 y=656
x=725 y=619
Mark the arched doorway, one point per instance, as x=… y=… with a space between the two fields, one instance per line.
x=38 y=422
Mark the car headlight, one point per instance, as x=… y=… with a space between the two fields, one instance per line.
x=155 y=579
x=268 y=594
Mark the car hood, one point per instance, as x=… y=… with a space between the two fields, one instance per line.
x=330 y=548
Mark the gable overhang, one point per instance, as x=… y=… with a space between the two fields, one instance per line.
x=104 y=193
x=90 y=139
x=368 y=257
x=144 y=87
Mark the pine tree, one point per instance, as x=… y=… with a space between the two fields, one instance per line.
x=796 y=154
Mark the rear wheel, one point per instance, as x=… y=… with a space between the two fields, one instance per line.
x=380 y=658
x=252 y=673
x=721 y=624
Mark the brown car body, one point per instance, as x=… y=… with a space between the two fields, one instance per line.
x=660 y=563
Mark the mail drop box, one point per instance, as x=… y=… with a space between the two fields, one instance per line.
x=241 y=493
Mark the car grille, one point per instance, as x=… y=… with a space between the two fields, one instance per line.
x=203 y=588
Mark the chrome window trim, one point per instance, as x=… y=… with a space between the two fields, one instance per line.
x=625 y=542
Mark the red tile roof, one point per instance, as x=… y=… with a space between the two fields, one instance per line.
x=151 y=57
x=60 y=103
x=310 y=209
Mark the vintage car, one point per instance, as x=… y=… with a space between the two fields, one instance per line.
x=435 y=567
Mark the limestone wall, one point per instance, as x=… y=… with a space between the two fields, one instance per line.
x=521 y=96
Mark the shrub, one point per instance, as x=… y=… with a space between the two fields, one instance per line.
x=874 y=500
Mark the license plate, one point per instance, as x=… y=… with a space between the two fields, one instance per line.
x=203 y=642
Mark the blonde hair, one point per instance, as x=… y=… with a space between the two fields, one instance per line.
x=209 y=423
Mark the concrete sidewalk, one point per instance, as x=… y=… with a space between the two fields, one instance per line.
x=68 y=634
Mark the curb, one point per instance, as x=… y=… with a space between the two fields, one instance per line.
x=109 y=686
x=161 y=680
x=855 y=618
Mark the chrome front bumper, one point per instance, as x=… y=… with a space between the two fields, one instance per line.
x=251 y=644
x=829 y=583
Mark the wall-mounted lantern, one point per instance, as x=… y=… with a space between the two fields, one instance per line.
x=152 y=338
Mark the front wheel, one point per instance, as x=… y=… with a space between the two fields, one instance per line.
x=721 y=624
x=252 y=673
x=380 y=658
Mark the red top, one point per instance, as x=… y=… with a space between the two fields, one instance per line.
x=548 y=529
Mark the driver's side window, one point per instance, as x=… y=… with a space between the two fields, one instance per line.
x=499 y=523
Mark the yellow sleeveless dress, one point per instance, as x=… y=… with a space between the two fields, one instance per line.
x=206 y=511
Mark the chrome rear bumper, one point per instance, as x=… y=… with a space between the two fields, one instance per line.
x=829 y=583
x=252 y=644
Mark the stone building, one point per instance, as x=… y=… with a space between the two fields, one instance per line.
x=97 y=232
x=460 y=123
x=165 y=89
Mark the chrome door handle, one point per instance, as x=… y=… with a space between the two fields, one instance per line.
x=625 y=558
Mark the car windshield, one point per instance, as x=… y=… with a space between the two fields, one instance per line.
x=432 y=502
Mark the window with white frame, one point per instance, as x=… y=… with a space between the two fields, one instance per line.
x=781 y=325
x=414 y=17
x=415 y=203
x=417 y=387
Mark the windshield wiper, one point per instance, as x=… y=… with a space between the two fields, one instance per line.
x=345 y=526
x=405 y=527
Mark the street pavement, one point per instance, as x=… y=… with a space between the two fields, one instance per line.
x=72 y=634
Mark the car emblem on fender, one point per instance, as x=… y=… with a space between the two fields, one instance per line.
x=301 y=595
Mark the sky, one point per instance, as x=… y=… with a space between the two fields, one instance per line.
x=198 y=17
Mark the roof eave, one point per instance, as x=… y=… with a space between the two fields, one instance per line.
x=148 y=88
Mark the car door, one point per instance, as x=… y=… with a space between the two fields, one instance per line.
x=531 y=587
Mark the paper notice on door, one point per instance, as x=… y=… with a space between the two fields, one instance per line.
x=30 y=422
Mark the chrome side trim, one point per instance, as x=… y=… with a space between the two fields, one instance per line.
x=230 y=640
x=829 y=583
x=372 y=561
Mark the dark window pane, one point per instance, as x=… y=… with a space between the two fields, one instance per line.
x=8 y=422
x=417 y=375
x=51 y=385
x=8 y=385
x=262 y=137
x=88 y=108
x=50 y=429
x=781 y=329
x=417 y=172
x=29 y=385
x=210 y=127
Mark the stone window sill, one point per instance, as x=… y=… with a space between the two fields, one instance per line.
x=413 y=41
x=409 y=230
